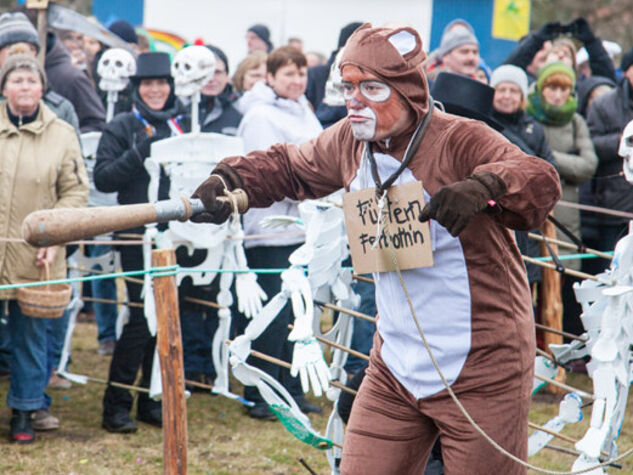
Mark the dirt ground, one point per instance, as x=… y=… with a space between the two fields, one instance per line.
x=222 y=438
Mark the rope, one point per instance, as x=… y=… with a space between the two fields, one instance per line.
x=596 y=209
x=458 y=403
x=569 y=257
x=567 y=245
x=571 y=336
x=154 y=271
x=575 y=273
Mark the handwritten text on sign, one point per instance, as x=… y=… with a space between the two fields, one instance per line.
x=410 y=239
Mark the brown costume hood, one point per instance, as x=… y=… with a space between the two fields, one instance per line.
x=396 y=56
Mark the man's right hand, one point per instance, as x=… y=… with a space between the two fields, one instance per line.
x=216 y=211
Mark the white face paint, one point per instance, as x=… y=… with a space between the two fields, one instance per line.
x=363 y=122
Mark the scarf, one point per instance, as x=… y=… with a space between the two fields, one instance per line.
x=549 y=114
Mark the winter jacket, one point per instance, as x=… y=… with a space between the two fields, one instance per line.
x=120 y=159
x=607 y=117
x=577 y=162
x=41 y=168
x=61 y=107
x=270 y=119
x=527 y=134
x=74 y=85
x=217 y=115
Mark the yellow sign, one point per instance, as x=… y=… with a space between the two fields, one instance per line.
x=511 y=19
x=409 y=238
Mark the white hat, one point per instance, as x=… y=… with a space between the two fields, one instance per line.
x=611 y=47
x=510 y=73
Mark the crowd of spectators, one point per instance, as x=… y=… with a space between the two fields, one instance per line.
x=559 y=96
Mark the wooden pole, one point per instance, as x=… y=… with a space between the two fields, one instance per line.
x=551 y=302
x=169 y=345
x=42 y=8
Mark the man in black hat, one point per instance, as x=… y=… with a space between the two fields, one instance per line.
x=258 y=39
x=124 y=147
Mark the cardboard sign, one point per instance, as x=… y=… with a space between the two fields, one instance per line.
x=39 y=4
x=409 y=238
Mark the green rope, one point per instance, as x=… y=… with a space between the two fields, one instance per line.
x=154 y=272
x=87 y=278
x=569 y=257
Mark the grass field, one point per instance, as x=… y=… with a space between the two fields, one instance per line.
x=222 y=439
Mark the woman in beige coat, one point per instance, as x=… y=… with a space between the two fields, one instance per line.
x=40 y=167
x=554 y=104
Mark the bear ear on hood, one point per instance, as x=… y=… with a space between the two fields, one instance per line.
x=404 y=41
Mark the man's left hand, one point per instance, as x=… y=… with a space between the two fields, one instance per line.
x=453 y=206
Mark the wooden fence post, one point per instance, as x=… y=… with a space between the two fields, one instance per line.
x=169 y=345
x=551 y=304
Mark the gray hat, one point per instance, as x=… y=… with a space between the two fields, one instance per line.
x=21 y=61
x=510 y=73
x=16 y=28
x=458 y=36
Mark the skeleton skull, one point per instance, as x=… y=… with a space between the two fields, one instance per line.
x=626 y=151
x=192 y=68
x=115 y=68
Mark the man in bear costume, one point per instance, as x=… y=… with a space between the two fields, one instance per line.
x=473 y=304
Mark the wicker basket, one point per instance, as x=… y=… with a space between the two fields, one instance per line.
x=46 y=301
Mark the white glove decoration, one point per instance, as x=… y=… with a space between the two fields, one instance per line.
x=295 y=282
x=250 y=296
x=308 y=363
x=304 y=254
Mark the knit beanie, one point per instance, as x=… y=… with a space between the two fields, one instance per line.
x=221 y=55
x=551 y=68
x=510 y=73
x=21 y=61
x=627 y=60
x=263 y=33
x=16 y=28
x=458 y=36
x=124 y=30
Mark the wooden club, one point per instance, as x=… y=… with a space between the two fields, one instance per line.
x=49 y=227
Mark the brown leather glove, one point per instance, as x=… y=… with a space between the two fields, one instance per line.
x=453 y=206
x=216 y=211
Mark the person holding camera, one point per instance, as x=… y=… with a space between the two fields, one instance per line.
x=532 y=51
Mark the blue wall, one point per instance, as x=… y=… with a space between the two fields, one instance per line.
x=479 y=14
x=108 y=11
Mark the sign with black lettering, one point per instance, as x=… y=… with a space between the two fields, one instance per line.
x=409 y=238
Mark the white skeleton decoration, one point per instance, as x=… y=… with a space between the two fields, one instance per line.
x=115 y=68
x=186 y=158
x=608 y=320
x=193 y=67
x=79 y=263
x=323 y=252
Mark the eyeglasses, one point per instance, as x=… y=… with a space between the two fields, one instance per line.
x=374 y=91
